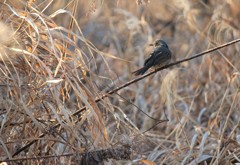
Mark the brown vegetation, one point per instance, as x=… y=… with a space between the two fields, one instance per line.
x=59 y=58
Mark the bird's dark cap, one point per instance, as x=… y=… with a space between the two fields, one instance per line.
x=158 y=42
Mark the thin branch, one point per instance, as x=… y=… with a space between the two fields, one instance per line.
x=127 y=84
x=157 y=70
x=119 y=153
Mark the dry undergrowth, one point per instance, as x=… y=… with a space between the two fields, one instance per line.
x=58 y=57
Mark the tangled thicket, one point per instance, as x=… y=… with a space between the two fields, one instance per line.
x=60 y=56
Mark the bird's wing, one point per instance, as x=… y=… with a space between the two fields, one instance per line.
x=150 y=61
x=157 y=57
x=162 y=56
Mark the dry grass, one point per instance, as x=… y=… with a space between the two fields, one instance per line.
x=58 y=57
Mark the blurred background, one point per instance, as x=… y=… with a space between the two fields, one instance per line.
x=86 y=48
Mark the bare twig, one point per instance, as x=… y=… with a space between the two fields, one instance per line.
x=157 y=70
x=120 y=153
x=129 y=83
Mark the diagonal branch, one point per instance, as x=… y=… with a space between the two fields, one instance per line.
x=157 y=70
x=127 y=84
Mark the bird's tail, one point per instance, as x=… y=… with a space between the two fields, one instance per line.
x=140 y=71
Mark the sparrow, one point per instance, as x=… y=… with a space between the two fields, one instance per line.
x=160 y=56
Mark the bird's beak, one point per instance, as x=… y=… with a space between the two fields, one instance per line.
x=151 y=44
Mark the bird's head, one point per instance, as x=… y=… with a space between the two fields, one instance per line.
x=158 y=43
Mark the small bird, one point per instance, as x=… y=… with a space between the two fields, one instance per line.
x=160 y=56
